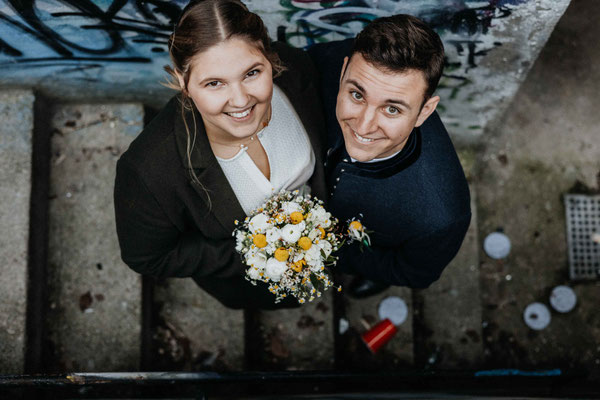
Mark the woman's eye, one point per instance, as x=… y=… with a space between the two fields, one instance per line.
x=254 y=72
x=392 y=110
x=213 y=84
x=356 y=95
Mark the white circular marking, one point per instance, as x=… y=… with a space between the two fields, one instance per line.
x=497 y=245
x=536 y=316
x=394 y=308
x=563 y=299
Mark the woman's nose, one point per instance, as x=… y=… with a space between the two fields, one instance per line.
x=238 y=96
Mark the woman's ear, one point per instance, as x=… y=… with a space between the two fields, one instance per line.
x=181 y=81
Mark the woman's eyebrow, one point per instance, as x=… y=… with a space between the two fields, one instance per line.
x=210 y=79
x=256 y=64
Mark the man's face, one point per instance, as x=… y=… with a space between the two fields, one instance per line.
x=377 y=110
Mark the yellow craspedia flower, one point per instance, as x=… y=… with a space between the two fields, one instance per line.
x=259 y=240
x=356 y=225
x=305 y=243
x=297 y=266
x=281 y=254
x=296 y=217
x=322 y=232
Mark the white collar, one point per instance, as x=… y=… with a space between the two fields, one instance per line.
x=377 y=159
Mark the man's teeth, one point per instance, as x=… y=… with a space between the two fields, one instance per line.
x=362 y=139
x=240 y=114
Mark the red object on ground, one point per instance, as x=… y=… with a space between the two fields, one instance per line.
x=379 y=335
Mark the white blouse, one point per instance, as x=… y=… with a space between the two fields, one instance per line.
x=291 y=158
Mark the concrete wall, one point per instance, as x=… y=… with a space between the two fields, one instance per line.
x=117 y=51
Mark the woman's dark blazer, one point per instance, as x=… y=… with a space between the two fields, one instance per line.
x=169 y=226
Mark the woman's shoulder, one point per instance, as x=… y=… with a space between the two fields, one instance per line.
x=151 y=140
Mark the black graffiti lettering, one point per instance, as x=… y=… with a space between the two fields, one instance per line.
x=57 y=47
x=26 y=9
x=108 y=23
x=165 y=8
x=472 y=50
x=9 y=50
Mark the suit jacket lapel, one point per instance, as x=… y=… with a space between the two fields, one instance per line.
x=214 y=190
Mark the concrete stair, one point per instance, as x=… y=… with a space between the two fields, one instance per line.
x=16 y=137
x=94 y=316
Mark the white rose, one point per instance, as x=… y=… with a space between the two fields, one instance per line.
x=326 y=247
x=275 y=269
x=290 y=207
x=257 y=260
x=291 y=233
x=313 y=256
x=317 y=215
x=259 y=223
x=254 y=273
x=273 y=235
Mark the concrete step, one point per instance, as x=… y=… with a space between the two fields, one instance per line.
x=95 y=299
x=195 y=332
x=16 y=131
x=296 y=339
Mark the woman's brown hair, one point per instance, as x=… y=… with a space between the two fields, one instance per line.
x=203 y=24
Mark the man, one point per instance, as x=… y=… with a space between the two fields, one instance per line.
x=390 y=157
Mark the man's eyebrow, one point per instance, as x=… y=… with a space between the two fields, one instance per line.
x=388 y=101
x=352 y=81
x=402 y=103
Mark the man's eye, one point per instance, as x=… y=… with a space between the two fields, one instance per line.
x=356 y=95
x=213 y=84
x=392 y=110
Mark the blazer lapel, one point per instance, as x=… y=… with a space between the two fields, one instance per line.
x=214 y=189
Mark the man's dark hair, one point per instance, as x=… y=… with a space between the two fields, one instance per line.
x=400 y=43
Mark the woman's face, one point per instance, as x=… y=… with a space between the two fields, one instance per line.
x=231 y=85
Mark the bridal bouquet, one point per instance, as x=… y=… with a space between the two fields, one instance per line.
x=288 y=244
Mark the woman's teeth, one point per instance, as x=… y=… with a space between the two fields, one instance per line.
x=362 y=139
x=240 y=114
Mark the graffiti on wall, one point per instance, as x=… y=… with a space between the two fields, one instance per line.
x=121 y=45
x=82 y=33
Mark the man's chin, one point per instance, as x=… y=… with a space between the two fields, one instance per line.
x=358 y=155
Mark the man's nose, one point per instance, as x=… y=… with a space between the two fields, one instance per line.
x=238 y=96
x=366 y=121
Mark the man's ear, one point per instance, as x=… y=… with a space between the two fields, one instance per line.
x=427 y=109
x=343 y=68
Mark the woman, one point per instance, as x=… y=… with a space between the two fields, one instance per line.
x=231 y=138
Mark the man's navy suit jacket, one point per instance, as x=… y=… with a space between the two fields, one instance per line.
x=417 y=203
